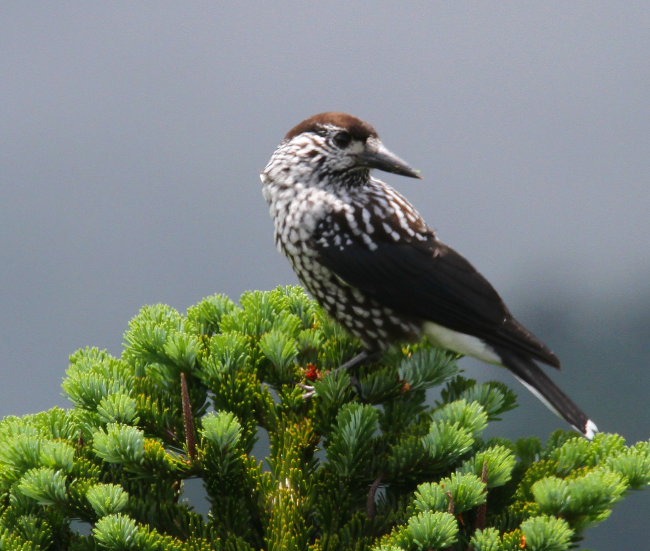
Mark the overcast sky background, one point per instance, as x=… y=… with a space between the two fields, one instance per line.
x=132 y=136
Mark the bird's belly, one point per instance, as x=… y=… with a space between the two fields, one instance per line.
x=377 y=326
x=460 y=343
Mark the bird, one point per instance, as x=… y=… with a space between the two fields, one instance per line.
x=370 y=260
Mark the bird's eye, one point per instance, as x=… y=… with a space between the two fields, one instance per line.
x=342 y=139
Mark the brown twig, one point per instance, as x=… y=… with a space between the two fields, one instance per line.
x=482 y=508
x=371 y=506
x=187 y=418
x=450 y=510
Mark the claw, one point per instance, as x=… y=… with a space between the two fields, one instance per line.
x=310 y=391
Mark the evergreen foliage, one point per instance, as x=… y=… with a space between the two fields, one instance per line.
x=364 y=464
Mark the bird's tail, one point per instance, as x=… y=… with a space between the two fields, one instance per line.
x=539 y=383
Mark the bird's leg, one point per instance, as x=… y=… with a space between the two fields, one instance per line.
x=363 y=358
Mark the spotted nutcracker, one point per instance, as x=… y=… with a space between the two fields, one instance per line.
x=370 y=260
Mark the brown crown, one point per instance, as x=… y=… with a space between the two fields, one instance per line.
x=356 y=127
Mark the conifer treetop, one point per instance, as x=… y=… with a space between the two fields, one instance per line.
x=368 y=463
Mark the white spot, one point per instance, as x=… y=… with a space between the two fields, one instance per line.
x=358 y=296
x=352 y=222
x=590 y=430
x=304 y=233
x=401 y=219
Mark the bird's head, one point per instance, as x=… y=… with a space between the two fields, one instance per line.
x=334 y=145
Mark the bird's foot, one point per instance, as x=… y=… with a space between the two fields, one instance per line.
x=364 y=357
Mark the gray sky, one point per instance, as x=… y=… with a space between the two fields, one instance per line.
x=132 y=135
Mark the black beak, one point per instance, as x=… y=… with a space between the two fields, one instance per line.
x=377 y=156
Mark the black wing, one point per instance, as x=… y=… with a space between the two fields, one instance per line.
x=427 y=280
